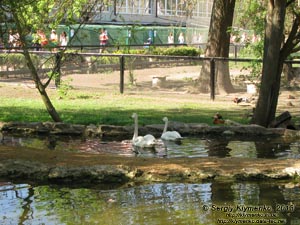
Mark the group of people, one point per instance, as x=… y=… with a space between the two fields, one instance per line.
x=244 y=38
x=40 y=40
x=180 y=38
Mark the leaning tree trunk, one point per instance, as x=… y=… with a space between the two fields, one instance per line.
x=272 y=64
x=41 y=89
x=218 y=46
x=34 y=74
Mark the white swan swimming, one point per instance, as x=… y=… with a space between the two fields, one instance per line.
x=169 y=135
x=147 y=141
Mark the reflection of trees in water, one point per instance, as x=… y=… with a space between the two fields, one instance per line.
x=272 y=149
x=218 y=147
x=162 y=203
x=258 y=194
x=19 y=198
x=221 y=146
x=254 y=147
x=26 y=206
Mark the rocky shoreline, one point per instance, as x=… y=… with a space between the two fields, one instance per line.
x=111 y=131
x=85 y=168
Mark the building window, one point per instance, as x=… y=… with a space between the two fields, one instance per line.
x=105 y=6
x=188 y=8
x=203 y=8
x=140 y=7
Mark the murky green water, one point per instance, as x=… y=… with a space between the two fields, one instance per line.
x=152 y=204
x=258 y=147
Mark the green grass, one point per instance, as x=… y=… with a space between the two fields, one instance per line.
x=116 y=109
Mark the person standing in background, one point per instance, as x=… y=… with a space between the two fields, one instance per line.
x=181 y=38
x=13 y=40
x=170 y=39
x=53 y=39
x=103 y=38
x=42 y=37
x=63 y=39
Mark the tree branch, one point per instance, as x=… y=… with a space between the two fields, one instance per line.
x=289 y=2
x=293 y=38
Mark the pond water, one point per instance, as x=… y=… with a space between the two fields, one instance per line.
x=246 y=147
x=151 y=204
x=162 y=203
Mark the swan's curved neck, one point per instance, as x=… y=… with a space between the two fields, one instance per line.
x=166 y=126
x=136 y=128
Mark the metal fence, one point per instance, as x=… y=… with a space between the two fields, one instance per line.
x=127 y=73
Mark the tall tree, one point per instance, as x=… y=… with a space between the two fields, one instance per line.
x=218 y=46
x=275 y=53
x=28 y=16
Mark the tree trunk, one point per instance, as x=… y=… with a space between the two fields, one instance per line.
x=33 y=71
x=218 y=46
x=41 y=88
x=272 y=64
x=289 y=72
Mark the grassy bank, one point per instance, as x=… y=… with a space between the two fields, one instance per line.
x=89 y=107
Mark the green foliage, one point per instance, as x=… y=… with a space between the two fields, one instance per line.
x=130 y=51
x=253 y=50
x=296 y=178
x=41 y=13
x=18 y=61
x=64 y=88
x=73 y=58
x=178 y=51
x=251 y=15
x=172 y=51
x=97 y=61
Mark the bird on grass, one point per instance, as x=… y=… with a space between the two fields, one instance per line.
x=218 y=119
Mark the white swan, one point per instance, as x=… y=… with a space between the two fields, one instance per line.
x=147 y=141
x=169 y=135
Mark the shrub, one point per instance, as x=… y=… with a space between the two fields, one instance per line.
x=178 y=51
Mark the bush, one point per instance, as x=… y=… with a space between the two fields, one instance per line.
x=17 y=61
x=131 y=51
x=178 y=51
x=173 y=51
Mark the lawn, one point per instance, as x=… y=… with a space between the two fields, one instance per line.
x=20 y=103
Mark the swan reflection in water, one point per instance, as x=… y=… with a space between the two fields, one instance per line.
x=161 y=149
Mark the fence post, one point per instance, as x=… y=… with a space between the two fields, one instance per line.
x=212 y=78
x=122 y=68
x=57 y=69
x=235 y=52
